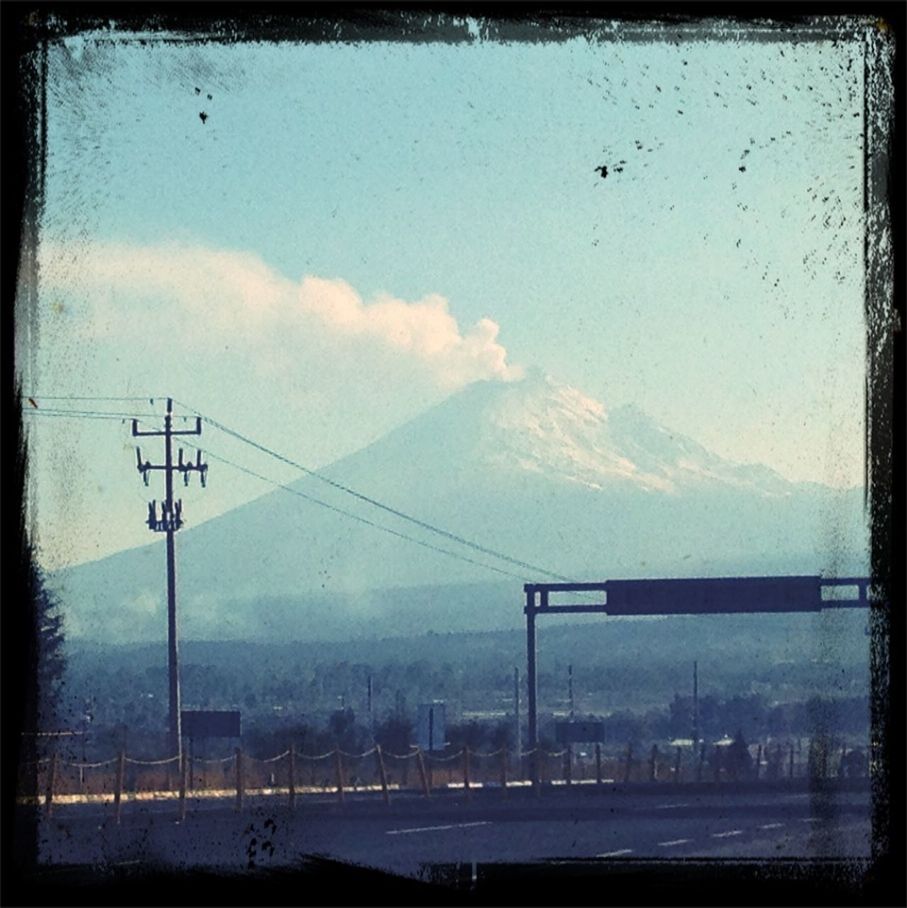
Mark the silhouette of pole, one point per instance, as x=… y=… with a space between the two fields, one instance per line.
x=531 y=681
x=170 y=521
x=695 y=703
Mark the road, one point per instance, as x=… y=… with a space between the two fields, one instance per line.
x=412 y=834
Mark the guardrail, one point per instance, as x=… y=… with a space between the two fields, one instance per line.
x=338 y=773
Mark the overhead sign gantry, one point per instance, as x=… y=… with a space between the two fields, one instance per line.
x=687 y=596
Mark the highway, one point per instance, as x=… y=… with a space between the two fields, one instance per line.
x=412 y=834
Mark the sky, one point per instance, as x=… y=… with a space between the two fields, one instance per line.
x=353 y=232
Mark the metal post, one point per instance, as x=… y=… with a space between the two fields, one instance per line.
x=240 y=782
x=338 y=764
x=695 y=704
x=570 y=689
x=423 y=775
x=504 y=758
x=382 y=774
x=51 y=781
x=532 y=689
x=184 y=779
x=531 y=682
x=466 y=787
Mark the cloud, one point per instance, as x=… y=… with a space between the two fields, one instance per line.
x=232 y=295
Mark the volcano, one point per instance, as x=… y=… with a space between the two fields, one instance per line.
x=534 y=469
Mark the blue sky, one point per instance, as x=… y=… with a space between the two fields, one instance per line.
x=282 y=264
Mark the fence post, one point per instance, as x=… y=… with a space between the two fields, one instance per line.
x=535 y=771
x=118 y=788
x=791 y=761
x=653 y=763
x=701 y=764
x=627 y=762
x=717 y=763
x=758 y=761
x=426 y=784
x=598 y=764
x=338 y=763
x=504 y=758
x=51 y=781
x=677 y=767
x=292 y=775
x=184 y=773
x=382 y=775
x=240 y=781
x=568 y=765
x=466 y=788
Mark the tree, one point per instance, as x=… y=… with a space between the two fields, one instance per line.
x=37 y=624
x=51 y=661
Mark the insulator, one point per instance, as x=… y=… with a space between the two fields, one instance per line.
x=145 y=476
x=186 y=477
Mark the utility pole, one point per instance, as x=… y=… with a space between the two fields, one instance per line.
x=170 y=521
x=517 y=734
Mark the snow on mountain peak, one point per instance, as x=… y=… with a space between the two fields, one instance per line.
x=541 y=426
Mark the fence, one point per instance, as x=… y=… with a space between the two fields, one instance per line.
x=341 y=774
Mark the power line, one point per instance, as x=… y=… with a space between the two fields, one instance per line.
x=147 y=397
x=86 y=414
x=358 y=518
x=374 y=502
x=102 y=414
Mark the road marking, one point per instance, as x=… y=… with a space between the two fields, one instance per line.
x=435 y=828
x=671 y=806
x=771 y=826
x=810 y=820
x=724 y=835
x=614 y=854
x=674 y=842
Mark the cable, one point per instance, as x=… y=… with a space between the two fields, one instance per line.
x=375 y=503
x=356 y=517
x=103 y=414
x=148 y=397
x=88 y=414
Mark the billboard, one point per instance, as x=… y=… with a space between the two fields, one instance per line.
x=431 y=726
x=210 y=723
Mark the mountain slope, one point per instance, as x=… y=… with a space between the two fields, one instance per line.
x=533 y=468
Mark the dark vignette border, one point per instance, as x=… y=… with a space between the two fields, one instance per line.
x=26 y=30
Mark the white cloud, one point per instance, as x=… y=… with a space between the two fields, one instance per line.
x=232 y=296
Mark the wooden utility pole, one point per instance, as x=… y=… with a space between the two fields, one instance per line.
x=170 y=521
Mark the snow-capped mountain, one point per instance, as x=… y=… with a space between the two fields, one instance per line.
x=533 y=469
